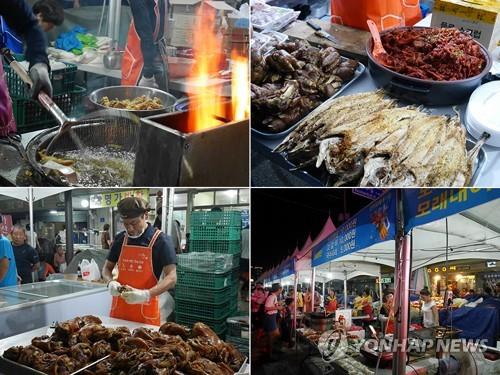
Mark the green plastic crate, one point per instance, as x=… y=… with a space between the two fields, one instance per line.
x=207 y=262
x=202 y=310
x=204 y=295
x=212 y=232
x=238 y=327
x=214 y=246
x=218 y=325
x=31 y=116
x=204 y=280
x=219 y=219
x=63 y=80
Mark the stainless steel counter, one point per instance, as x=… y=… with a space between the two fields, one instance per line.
x=30 y=306
x=25 y=338
x=487 y=176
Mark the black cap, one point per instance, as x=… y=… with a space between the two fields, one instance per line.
x=132 y=207
x=275 y=287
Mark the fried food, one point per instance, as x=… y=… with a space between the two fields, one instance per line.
x=45 y=158
x=145 y=351
x=141 y=103
x=292 y=80
x=367 y=140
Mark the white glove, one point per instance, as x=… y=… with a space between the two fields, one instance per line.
x=113 y=288
x=148 y=82
x=136 y=296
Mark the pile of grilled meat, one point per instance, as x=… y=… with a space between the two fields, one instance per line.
x=174 y=349
x=292 y=80
x=368 y=140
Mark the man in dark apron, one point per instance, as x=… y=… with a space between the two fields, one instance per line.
x=21 y=19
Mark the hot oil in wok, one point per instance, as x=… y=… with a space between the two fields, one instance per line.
x=101 y=166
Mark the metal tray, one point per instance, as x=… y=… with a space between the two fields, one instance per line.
x=314 y=180
x=9 y=367
x=357 y=73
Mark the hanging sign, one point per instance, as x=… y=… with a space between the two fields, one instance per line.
x=374 y=223
x=111 y=199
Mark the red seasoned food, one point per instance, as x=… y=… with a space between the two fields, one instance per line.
x=438 y=54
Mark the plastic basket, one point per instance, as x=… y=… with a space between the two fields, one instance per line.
x=213 y=232
x=238 y=341
x=63 y=80
x=214 y=246
x=204 y=280
x=31 y=116
x=238 y=327
x=207 y=262
x=216 y=219
x=203 y=295
x=218 y=325
x=203 y=310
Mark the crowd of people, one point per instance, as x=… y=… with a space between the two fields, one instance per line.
x=26 y=258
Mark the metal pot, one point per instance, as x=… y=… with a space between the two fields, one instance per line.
x=113 y=59
x=421 y=91
x=131 y=92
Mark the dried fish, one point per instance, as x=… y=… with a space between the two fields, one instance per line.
x=367 y=140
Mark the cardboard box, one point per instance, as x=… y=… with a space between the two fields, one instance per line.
x=480 y=19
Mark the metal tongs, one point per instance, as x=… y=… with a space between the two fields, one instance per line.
x=45 y=100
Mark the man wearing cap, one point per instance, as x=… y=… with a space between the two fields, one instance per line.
x=8 y=271
x=146 y=262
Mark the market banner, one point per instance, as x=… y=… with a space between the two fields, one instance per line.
x=368 y=193
x=111 y=199
x=422 y=206
x=374 y=223
x=287 y=269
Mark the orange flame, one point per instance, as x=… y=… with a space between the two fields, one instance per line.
x=207 y=106
x=240 y=87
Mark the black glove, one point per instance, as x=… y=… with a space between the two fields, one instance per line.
x=39 y=74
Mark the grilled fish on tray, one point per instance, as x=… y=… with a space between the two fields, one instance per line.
x=368 y=140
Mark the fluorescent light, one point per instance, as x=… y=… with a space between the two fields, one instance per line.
x=84 y=203
x=231 y=193
x=53 y=212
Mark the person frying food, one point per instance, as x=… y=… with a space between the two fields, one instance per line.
x=21 y=19
x=146 y=263
x=141 y=60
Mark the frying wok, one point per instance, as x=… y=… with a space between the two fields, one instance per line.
x=121 y=132
x=132 y=92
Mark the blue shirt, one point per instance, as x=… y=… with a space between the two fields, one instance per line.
x=9 y=38
x=6 y=251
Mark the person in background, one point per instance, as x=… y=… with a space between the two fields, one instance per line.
x=146 y=262
x=287 y=321
x=60 y=259
x=45 y=269
x=497 y=289
x=142 y=59
x=8 y=273
x=387 y=313
x=20 y=18
x=106 y=237
x=27 y=260
x=300 y=300
x=272 y=307
x=35 y=244
x=308 y=301
x=429 y=310
x=318 y=300
x=331 y=302
x=49 y=14
x=258 y=300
